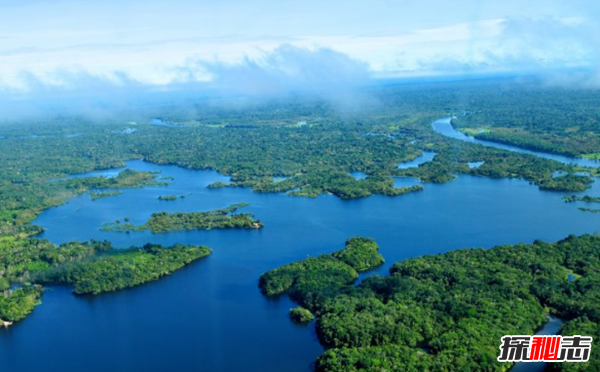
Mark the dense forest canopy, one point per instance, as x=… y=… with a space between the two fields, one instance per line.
x=445 y=312
x=123 y=269
x=438 y=312
x=308 y=141
x=91 y=267
x=162 y=222
x=562 y=121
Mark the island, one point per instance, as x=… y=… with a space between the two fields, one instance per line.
x=121 y=269
x=444 y=312
x=430 y=313
x=316 y=159
x=589 y=210
x=335 y=270
x=164 y=222
x=585 y=198
x=170 y=197
x=127 y=178
x=301 y=315
x=103 y=194
x=92 y=267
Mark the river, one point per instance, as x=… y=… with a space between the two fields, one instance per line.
x=444 y=127
x=211 y=315
x=552 y=327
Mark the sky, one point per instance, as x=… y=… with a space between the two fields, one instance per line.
x=247 y=45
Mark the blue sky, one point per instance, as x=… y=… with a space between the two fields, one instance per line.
x=58 y=43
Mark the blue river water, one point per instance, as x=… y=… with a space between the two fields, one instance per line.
x=211 y=315
x=424 y=158
x=444 y=127
x=552 y=327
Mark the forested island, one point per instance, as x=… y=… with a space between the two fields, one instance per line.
x=127 y=178
x=585 y=198
x=588 y=199
x=95 y=195
x=445 y=312
x=91 y=267
x=164 y=222
x=301 y=315
x=170 y=197
x=590 y=210
x=316 y=158
x=342 y=185
x=123 y=268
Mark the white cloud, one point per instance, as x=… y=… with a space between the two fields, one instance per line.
x=315 y=72
x=150 y=54
x=287 y=68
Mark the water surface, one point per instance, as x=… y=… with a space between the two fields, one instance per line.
x=359 y=175
x=552 y=327
x=211 y=316
x=427 y=156
x=444 y=127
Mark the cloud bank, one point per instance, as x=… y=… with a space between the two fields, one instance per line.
x=138 y=64
x=562 y=51
x=288 y=70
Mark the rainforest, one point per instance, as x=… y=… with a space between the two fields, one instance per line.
x=451 y=242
